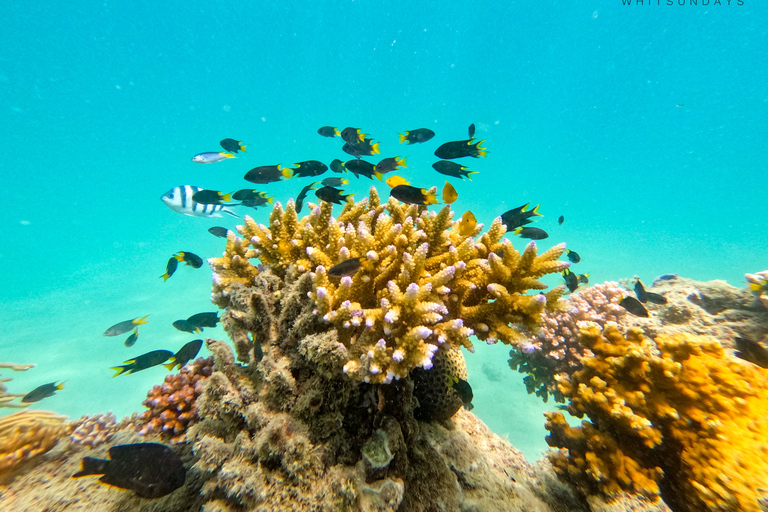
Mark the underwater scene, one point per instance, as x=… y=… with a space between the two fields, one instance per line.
x=380 y=256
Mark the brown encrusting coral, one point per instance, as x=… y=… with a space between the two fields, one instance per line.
x=173 y=405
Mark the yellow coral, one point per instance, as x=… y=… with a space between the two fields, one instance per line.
x=26 y=434
x=428 y=285
x=676 y=414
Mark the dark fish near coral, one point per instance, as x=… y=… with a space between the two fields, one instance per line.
x=131 y=340
x=463 y=389
x=460 y=149
x=349 y=267
x=179 y=199
x=258 y=201
x=309 y=168
x=151 y=470
x=302 y=195
x=571 y=280
x=750 y=351
x=665 y=277
x=519 y=217
x=532 y=233
x=338 y=166
x=143 y=362
x=124 y=327
x=560 y=220
x=352 y=135
x=634 y=306
x=193 y=260
x=204 y=319
x=471 y=131
x=417 y=136
x=211 y=197
x=453 y=169
x=334 y=182
x=333 y=195
x=249 y=193
x=170 y=268
x=583 y=278
x=656 y=298
x=232 y=145
x=390 y=164
x=186 y=326
x=211 y=157
x=362 y=168
x=268 y=174
x=217 y=231
x=573 y=256
x=645 y=296
x=449 y=193
x=364 y=148
x=185 y=354
x=41 y=392
x=467 y=224
x=328 y=131
x=413 y=195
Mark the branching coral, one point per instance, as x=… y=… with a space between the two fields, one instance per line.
x=27 y=434
x=173 y=405
x=6 y=398
x=674 y=417
x=427 y=286
x=92 y=431
x=555 y=349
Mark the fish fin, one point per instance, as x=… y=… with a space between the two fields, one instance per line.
x=226 y=197
x=535 y=211
x=179 y=256
x=228 y=155
x=482 y=153
x=170 y=365
x=229 y=212
x=470 y=173
x=287 y=172
x=119 y=369
x=378 y=175
x=375 y=149
x=400 y=162
x=242 y=148
x=59 y=387
x=336 y=132
x=91 y=466
x=403 y=138
x=141 y=321
x=271 y=200
x=431 y=199
x=165 y=276
x=349 y=198
x=520 y=230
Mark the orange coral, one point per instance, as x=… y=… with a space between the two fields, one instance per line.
x=173 y=406
x=675 y=417
x=27 y=434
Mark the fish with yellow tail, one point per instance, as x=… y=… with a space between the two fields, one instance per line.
x=125 y=326
x=185 y=354
x=211 y=157
x=142 y=362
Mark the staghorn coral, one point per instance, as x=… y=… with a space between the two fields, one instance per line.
x=6 y=398
x=555 y=349
x=173 y=405
x=427 y=287
x=25 y=435
x=675 y=417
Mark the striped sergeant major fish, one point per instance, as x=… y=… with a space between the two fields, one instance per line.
x=179 y=199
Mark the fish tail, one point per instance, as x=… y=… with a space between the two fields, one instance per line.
x=360 y=136
x=119 y=370
x=535 y=211
x=345 y=182
x=349 y=198
x=378 y=175
x=59 y=387
x=336 y=132
x=242 y=148
x=431 y=199
x=141 y=321
x=170 y=365
x=287 y=172
x=165 y=276
x=400 y=162
x=403 y=138
x=375 y=149
x=755 y=287
x=482 y=153
x=226 y=197
x=91 y=466
x=179 y=256
x=228 y=155
x=518 y=231
x=271 y=200
x=469 y=175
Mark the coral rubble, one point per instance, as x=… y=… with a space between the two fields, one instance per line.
x=426 y=286
x=674 y=417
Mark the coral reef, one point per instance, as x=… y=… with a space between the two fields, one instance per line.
x=89 y=432
x=555 y=349
x=758 y=285
x=674 y=417
x=426 y=286
x=25 y=435
x=6 y=398
x=173 y=405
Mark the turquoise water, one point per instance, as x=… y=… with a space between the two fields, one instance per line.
x=643 y=125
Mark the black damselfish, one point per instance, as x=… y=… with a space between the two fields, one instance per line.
x=309 y=168
x=41 y=392
x=417 y=136
x=453 y=169
x=151 y=470
x=185 y=354
x=460 y=149
x=518 y=217
x=333 y=195
x=143 y=362
x=191 y=259
x=634 y=306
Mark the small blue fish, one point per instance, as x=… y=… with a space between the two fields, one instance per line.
x=211 y=157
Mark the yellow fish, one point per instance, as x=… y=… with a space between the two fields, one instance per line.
x=467 y=224
x=394 y=181
x=449 y=193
